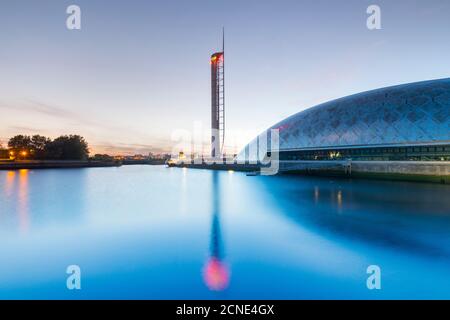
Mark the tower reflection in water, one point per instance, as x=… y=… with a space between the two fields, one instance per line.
x=216 y=273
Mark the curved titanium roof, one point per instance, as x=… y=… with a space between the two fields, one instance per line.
x=412 y=113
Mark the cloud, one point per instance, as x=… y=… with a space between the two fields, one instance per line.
x=24 y=129
x=36 y=106
x=33 y=105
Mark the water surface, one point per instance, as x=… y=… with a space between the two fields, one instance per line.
x=147 y=232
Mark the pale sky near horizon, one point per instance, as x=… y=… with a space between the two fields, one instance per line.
x=138 y=70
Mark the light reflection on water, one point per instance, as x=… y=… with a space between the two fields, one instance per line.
x=153 y=232
x=216 y=273
x=23 y=200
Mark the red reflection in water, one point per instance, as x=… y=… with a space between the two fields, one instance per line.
x=10 y=176
x=22 y=205
x=17 y=189
x=216 y=274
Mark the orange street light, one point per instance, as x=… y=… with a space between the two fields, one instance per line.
x=24 y=153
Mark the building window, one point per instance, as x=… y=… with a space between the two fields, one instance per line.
x=423 y=153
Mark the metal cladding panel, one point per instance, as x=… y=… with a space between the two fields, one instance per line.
x=405 y=114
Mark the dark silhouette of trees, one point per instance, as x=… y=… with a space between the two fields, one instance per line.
x=102 y=157
x=38 y=146
x=19 y=142
x=20 y=146
x=4 y=154
x=67 y=147
x=72 y=147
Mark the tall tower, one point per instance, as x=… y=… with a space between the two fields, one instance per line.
x=218 y=101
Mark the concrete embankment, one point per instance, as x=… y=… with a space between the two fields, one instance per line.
x=431 y=171
x=219 y=166
x=47 y=164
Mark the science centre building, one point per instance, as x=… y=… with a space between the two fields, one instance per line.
x=400 y=129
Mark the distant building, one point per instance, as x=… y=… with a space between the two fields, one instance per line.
x=139 y=157
x=159 y=156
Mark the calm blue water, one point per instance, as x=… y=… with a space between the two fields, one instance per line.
x=153 y=232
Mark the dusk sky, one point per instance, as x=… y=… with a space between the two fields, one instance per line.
x=138 y=70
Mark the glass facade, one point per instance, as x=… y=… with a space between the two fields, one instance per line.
x=413 y=118
x=412 y=153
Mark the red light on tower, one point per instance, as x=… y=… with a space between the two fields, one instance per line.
x=216 y=58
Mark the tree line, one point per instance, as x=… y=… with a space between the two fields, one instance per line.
x=65 y=147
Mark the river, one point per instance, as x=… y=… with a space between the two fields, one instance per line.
x=150 y=232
